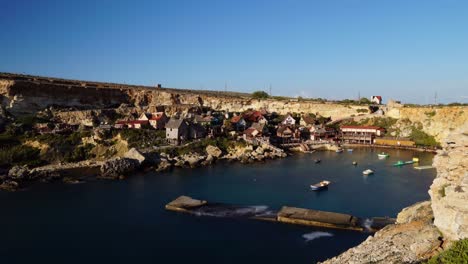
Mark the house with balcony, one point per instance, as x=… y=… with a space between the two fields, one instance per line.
x=360 y=134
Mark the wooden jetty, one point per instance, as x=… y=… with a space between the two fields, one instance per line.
x=289 y=215
x=424 y=167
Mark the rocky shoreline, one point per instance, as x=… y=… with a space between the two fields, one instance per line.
x=427 y=228
x=132 y=161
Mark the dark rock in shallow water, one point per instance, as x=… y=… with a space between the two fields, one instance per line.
x=114 y=168
x=9 y=185
x=19 y=172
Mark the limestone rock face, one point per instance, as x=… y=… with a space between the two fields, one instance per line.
x=135 y=154
x=418 y=212
x=449 y=191
x=410 y=241
x=213 y=151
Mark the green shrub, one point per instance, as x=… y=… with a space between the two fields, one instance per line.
x=362 y=110
x=64 y=147
x=259 y=95
x=80 y=153
x=421 y=138
x=364 y=100
x=19 y=155
x=145 y=137
x=456 y=254
x=430 y=114
x=7 y=140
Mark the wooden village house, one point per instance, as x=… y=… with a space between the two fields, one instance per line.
x=177 y=130
x=156 y=120
x=288 y=121
x=238 y=123
x=360 y=134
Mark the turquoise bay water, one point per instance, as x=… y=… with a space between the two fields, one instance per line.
x=125 y=221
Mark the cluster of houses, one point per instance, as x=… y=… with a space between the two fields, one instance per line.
x=253 y=124
x=250 y=124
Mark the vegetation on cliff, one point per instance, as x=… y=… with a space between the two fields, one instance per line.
x=457 y=253
x=19 y=155
x=199 y=146
x=259 y=95
x=421 y=138
x=142 y=137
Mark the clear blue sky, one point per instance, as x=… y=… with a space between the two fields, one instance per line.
x=406 y=50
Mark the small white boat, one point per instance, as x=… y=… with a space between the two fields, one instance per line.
x=349 y=150
x=339 y=150
x=368 y=172
x=383 y=155
x=355 y=163
x=320 y=186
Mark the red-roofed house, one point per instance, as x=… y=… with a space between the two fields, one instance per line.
x=238 y=123
x=156 y=120
x=254 y=117
x=360 y=134
x=138 y=124
x=377 y=99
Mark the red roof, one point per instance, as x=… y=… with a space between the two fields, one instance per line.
x=132 y=122
x=253 y=116
x=249 y=131
x=362 y=127
x=236 y=119
x=156 y=116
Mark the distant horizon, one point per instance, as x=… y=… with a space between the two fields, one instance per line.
x=403 y=50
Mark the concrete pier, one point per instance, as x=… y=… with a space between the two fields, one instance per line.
x=289 y=215
x=301 y=216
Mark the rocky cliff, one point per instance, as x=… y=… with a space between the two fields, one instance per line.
x=29 y=94
x=423 y=229
x=449 y=191
x=439 y=122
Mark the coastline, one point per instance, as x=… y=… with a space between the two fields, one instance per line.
x=427 y=228
x=118 y=168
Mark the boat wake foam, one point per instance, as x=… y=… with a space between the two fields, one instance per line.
x=367 y=224
x=314 y=235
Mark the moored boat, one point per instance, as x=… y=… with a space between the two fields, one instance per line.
x=320 y=186
x=415 y=159
x=317 y=160
x=354 y=163
x=368 y=172
x=339 y=150
x=349 y=150
x=383 y=155
x=401 y=163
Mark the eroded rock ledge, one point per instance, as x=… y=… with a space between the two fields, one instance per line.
x=412 y=239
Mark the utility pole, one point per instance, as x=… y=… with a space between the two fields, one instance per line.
x=435 y=98
x=225 y=86
x=270 y=89
x=359 y=96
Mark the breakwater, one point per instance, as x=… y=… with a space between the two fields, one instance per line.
x=289 y=215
